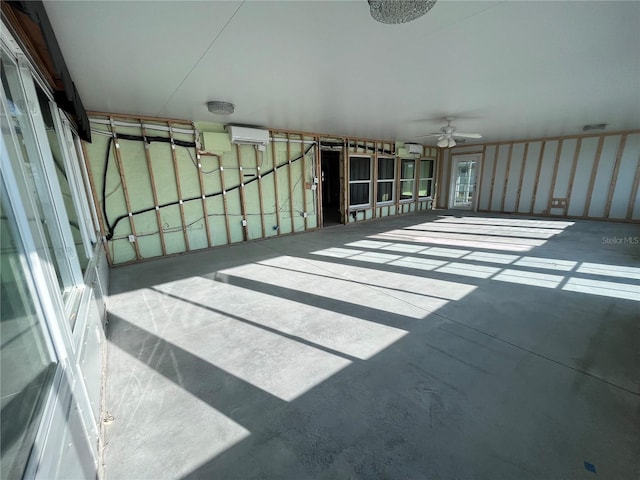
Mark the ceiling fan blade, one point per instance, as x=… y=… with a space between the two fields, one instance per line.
x=428 y=135
x=467 y=135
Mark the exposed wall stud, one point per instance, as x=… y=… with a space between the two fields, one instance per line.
x=174 y=157
x=243 y=206
x=634 y=192
x=259 y=174
x=318 y=196
x=592 y=180
x=537 y=179
x=521 y=179
x=493 y=179
x=304 y=181
x=94 y=194
x=274 y=160
x=556 y=165
x=224 y=202
x=154 y=190
x=506 y=178
x=124 y=189
x=572 y=175
x=289 y=174
x=614 y=175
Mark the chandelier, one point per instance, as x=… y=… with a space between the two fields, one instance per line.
x=399 y=11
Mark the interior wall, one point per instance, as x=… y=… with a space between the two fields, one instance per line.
x=590 y=176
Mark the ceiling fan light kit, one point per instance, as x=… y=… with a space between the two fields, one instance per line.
x=399 y=11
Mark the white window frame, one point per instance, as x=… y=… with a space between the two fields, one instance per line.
x=392 y=181
x=369 y=182
x=401 y=179
x=429 y=179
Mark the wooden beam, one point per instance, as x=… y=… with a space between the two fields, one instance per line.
x=94 y=194
x=592 y=180
x=318 y=196
x=556 y=165
x=506 y=178
x=572 y=175
x=176 y=172
x=154 y=191
x=493 y=178
x=304 y=182
x=275 y=184
x=243 y=207
x=536 y=181
x=123 y=182
x=289 y=167
x=614 y=175
x=259 y=174
x=521 y=179
x=224 y=202
x=634 y=192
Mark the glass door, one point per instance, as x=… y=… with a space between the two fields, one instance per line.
x=463 y=182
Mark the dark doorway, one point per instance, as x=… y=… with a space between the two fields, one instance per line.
x=330 y=163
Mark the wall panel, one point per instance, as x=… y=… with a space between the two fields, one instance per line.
x=591 y=176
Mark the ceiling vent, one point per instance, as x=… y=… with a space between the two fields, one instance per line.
x=594 y=127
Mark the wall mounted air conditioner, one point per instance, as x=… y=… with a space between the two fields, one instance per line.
x=413 y=148
x=252 y=136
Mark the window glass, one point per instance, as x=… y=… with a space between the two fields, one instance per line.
x=63 y=178
x=359 y=181
x=56 y=254
x=386 y=177
x=425 y=185
x=407 y=179
x=25 y=364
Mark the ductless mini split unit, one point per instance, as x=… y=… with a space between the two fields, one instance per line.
x=248 y=136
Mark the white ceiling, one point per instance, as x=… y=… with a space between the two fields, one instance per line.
x=509 y=70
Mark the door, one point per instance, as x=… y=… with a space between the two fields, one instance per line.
x=464 y=169
x=331 y=187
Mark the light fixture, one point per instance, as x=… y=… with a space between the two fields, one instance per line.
x=399 y=11
x=452 y=143
x=443 y=142
x=220 y=108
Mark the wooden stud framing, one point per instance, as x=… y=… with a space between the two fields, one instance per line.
x=556 y=165
x=345 y=175
x=259 y=174
x=224 y=202
x=318 y=196
x=304 y=182
x=205 y=209
x=537 y=179
x=124 y=189
x=154 y=190
x=243 y=207
x=506 y=178
x=572 y=175
x=634 y=192
x=374 y=181
x=174 y=157
x=94 y=194
x=291 y=207
x=479 y=178
x=275 y=183
x=521 y=179
x=614 y=175
x=493 y=178
x=592 y=180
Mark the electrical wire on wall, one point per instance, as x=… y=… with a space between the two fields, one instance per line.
x=111 y=226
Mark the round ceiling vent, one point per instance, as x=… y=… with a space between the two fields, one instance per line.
x=220 y=108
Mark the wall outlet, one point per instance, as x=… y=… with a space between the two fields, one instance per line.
x=132 y=238
x=244 y=223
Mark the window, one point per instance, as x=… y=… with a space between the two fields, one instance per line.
x=386 y=179
x=26 y=362
x=407 y=178
x=35 y=154
x=425 y=186
x=359 y=181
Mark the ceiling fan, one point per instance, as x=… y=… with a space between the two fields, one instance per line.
x=446 y=134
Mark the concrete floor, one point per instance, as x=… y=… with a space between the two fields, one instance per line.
x=433 y=345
